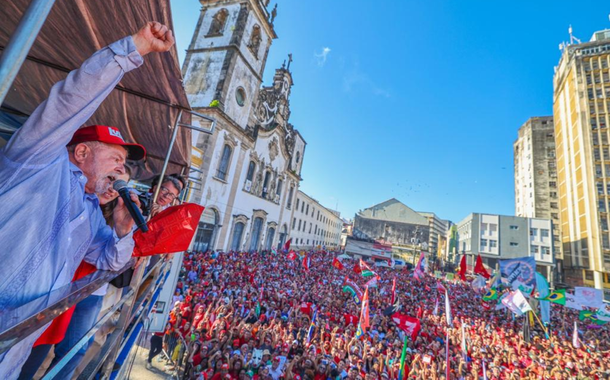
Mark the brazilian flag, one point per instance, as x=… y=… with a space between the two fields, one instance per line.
x=491 y=295
x=584 y=314
x=596 y=320
x=558 y=296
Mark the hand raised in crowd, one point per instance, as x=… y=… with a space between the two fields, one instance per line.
x=153 y=37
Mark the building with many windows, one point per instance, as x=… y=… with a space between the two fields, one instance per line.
x=497 y=237
x=251 y=165
x=536 y=176
x=439 y=228
x=581 y=110
x=314 y=225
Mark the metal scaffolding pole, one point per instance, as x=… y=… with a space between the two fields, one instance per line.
x=20 y=43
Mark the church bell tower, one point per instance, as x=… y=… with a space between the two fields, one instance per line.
x=226 y=58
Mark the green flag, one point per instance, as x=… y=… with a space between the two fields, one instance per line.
x=584 y=314
x=403 y=356
x=491 y=295
x=257 y=310
x=558 y=296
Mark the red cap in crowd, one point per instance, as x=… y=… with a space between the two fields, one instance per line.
x=108 y=135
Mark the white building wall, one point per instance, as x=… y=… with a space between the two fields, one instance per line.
x=489 y=233
x=314 y=225
x=541 y=240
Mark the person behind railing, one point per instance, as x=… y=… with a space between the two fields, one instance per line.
x=51 y=220
x=85 y=313
x=170 y=189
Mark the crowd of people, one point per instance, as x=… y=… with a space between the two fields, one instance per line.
x=251 y=316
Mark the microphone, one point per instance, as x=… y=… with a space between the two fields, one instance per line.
x=121 y=187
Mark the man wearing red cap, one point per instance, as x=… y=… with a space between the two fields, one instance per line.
x=51 y=218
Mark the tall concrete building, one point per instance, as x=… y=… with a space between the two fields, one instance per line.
x=536 y=176
x=581 y=106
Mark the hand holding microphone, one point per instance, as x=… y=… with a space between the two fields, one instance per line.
x=128 y=210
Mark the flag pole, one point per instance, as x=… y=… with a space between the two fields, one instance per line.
x=541 y=325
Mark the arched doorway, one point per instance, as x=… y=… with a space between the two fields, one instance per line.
x=207 y=228
x=257 y=227
x=238 y=232
x=283 y=235
x=270 y=236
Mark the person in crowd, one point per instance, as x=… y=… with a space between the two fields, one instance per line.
x=41 y=253
x=169 y=190
x=254 y=321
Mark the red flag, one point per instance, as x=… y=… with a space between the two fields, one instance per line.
x=170 y=231
x=462 y=271
x=292 y=255
x=287 y=245
x=357 y=268
x=306 y=308
x=486 y=306
x=337 y=264
x=407 y=324
x=480 y=269
x=393 y=290
x=306 y=263
x=350 y=319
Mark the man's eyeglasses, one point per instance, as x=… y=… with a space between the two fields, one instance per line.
x=167 y=193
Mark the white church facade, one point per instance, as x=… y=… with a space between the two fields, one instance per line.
x=251 y=164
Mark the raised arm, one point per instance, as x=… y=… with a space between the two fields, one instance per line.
x=73 y=100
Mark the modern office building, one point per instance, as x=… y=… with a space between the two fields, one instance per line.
x=581 y=109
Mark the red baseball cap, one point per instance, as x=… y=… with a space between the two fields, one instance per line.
x=108 y=135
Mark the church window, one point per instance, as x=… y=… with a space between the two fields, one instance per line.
x=251 y=168
x=240 y=96
x=255 y=40
x=223 y=167
x=289 y=202
x=266 y=184
x=218 y=23
x=280 y=183
x=298 y=157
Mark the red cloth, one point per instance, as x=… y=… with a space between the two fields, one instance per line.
x=337 y=264
x=170 y=231
x=407 y=324
x=462 y=271
x=480 y=269
x=57 y=329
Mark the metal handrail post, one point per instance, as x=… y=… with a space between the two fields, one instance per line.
x=21 y=42
x=167 y=156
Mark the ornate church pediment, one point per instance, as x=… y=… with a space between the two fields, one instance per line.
x=273 y=148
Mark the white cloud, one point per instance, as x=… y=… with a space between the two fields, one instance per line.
x=321 y=57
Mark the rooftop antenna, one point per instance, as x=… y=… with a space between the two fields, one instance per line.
x=572 y=38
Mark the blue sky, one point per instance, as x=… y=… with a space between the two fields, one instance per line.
x=417 y=100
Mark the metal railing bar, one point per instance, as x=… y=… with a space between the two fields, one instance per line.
x=18 y=323
x=20 y=43
x=93 y=367
x=62 y=363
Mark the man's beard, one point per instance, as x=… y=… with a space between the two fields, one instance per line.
x=104 y=183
